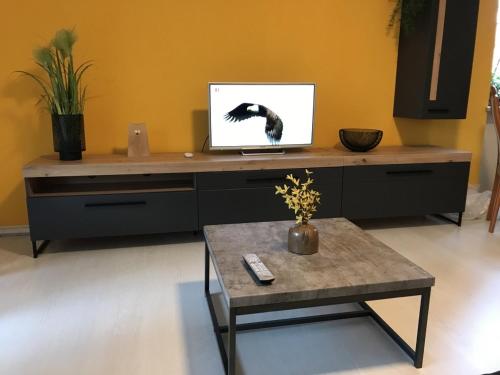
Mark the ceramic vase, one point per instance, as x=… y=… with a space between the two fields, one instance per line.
x=303 y=239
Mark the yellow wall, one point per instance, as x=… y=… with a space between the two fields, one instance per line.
x=153 y=59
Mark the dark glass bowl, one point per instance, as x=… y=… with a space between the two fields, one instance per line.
x=360 y=140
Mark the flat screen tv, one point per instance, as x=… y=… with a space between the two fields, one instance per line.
x=247 y=116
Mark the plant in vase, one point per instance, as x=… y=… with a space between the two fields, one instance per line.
x=303 y=201
x=63 y=93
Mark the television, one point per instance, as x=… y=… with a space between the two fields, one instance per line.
x=253 y=116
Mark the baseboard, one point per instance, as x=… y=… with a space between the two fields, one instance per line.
x=16 y=230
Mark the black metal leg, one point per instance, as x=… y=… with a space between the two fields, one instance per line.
x=207 y=269
x=38 y=249
x=418 y=354
x=35 y=249
x=458 y=222
x=422 y=327
x=213 y=315
x=231 y=343
x=229 y=358
x=387 y=328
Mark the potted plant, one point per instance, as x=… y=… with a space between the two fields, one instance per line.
x=303 y=201
x=63 y=93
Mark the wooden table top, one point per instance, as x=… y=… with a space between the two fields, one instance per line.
x=119 y=164
x=349 y=262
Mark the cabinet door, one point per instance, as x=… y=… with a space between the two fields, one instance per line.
x=435 y=61
x=404 y=190
x=249 y=196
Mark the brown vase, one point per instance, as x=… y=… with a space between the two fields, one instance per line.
x=303 y=239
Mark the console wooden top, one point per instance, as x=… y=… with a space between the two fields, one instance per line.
x=116 y=164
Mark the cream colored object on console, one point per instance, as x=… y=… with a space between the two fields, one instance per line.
x=138 y=144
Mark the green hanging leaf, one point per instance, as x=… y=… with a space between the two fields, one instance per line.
x=405 y=12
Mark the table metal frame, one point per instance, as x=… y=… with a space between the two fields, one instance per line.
x=229 y=357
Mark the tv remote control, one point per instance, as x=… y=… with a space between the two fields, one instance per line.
x=258 y=268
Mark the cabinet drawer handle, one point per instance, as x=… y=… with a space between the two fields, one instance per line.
x=438 y=110
x=114 y=204
x=274 y=180
x=410 y=173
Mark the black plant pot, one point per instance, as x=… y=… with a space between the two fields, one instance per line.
x=68 y=133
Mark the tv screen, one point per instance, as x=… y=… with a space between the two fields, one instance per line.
x=261 y=115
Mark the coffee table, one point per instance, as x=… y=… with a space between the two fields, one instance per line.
x=350 y=267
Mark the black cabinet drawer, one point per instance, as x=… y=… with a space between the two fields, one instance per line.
x=260 y=178
x=249 y=203
x=241 y=206
x=79 y=216
x=404 y=190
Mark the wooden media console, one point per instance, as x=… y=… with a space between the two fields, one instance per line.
x=110 y=195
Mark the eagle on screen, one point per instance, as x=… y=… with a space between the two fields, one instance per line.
x=274 y=125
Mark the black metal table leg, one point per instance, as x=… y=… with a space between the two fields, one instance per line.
x=228 y=356
x=231 y=358
x=422 y=327
x=388 y=329
x=213 y=315
x=418 y=354
x=207 y=269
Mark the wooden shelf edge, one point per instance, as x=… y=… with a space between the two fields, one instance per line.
x=31 y=194
x=94 y=165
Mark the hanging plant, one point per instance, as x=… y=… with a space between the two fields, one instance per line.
x=405 y=12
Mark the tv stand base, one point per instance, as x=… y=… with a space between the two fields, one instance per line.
x=263 y=152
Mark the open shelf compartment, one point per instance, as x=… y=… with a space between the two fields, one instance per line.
x=92 y=185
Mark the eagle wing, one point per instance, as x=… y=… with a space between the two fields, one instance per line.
x=274 y=126
x=240 y=113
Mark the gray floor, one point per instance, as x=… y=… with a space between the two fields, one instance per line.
x=136 y=306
